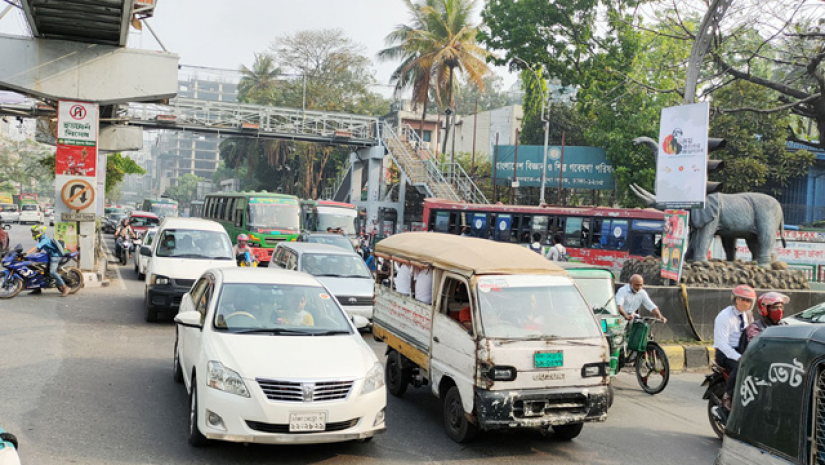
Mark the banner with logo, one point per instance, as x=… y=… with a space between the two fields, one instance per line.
x=76 y=138
x=584 y=167
x=681 y=164
x=674 y=243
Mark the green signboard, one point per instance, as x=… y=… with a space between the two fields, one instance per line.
x=583 y=167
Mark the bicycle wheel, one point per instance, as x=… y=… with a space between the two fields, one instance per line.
x=652 y=369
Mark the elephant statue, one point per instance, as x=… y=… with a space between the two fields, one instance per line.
x=752 y=216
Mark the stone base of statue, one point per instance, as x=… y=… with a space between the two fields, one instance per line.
x=720 y=274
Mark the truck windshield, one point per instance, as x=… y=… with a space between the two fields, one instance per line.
x=164 y=209
x=332 y=217
x=599 y=293
x=533 y=307
x=273 y=216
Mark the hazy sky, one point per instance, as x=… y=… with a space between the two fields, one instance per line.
x=226 y=34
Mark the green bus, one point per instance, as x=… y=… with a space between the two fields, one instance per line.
x=266 y=218
x=162 y=207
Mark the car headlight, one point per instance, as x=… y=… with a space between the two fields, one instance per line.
x=374 y=379
x=224 y=379
x=159 y=280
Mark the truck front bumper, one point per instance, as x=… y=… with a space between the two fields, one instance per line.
x=540 y=408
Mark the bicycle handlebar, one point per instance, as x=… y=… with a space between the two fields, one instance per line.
x=649 y=318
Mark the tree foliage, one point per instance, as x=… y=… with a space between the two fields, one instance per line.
x=185 y=189
x=21 y=165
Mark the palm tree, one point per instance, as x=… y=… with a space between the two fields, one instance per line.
x=440 y=42
x=259 y=84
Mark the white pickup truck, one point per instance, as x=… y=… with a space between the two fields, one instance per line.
x=508 y=340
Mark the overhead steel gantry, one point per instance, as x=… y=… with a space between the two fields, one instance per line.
x=92 y=21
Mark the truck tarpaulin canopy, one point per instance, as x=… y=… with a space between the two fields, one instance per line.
x=473 y=255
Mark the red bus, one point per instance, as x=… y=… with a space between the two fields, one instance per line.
x=596 y=235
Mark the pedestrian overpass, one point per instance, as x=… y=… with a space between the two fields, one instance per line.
x=77 y=52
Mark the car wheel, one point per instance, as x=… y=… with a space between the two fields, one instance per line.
x=177 y=372
x=196 y=438
x=151 y=311
x=459 y=429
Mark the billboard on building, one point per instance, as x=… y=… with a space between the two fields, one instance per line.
x=582 y=167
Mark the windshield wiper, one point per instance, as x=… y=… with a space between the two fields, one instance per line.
x=219 y=258
x=290 y=332
x=331 y=332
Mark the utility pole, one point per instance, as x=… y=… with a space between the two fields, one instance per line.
x=561 y=169
x=495 y=171
x=475 y=125
x=514 y=186
x=546 y=122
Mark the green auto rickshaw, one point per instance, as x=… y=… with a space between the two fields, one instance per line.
x=778 y=414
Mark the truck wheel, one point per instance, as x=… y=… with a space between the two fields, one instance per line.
x=459 y=429
x=151 y=311
x=397 y=377
x=610 y=395
x=568 y=432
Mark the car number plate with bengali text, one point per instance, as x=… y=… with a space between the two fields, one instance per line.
x=548 y=359
x=301 y=422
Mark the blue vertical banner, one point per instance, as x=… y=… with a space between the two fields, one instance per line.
x=583 y=168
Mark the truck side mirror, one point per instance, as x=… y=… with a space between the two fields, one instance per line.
x=146 y=251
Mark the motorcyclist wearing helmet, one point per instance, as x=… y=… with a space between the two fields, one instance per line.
x=241 y=248
x=45 y=244
x=771 y=308
x=124 y=230
x=727 y=329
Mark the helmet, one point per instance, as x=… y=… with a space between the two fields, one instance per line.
x=768 y=300
x=243 y=237
x=38 y=231
x=744 y=291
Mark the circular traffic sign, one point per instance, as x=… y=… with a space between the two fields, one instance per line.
x=77 y=194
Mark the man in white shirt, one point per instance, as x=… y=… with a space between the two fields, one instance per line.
x=403 y=280
x=424 y=285
x=557 y=253
x=727 y=329
x=631 y=296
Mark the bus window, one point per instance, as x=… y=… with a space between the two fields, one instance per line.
x=503 y=225
x=455 y=223
x=239 y=221
x=646 y=238
x=442 y=222
x=573 y=232
x=540 y=225
x=613 y=235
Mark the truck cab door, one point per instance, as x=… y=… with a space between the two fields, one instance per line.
x=453 y=352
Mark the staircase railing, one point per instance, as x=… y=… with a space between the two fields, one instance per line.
x=453 y=173
x=421 y=171
x=331 y=189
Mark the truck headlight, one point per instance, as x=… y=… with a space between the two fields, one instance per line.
x=159 y=280
x=595 y=369
x=374 y=379
x=502 y=373
x=223 y=379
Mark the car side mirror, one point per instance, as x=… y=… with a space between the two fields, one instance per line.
x=146 y=251
x=6 y=226
x=190 y=318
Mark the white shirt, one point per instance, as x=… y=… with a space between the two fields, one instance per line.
x=403 y=280
x=424 y=285
x=631 y=301
x=556 y=253
x=727 y=330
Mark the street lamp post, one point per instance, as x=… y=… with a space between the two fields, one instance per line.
x=546 y=122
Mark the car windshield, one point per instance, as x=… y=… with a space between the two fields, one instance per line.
x=533 y=307
x=165 y=209
x=142 y=221
x=599 y=294
x=331 y=239
x=273 y=216
x=331 y=217
x=815 y=314
x=279 y=309
x=189 y=243
x=348 y=266
x=29 y=208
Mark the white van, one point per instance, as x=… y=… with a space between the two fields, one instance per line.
x=508 y=340
x=182 y=250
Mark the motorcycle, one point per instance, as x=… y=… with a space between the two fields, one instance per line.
x=8 y=449
x=245 y=259
x=125 y=249
x=32 y=272
x=717 y=414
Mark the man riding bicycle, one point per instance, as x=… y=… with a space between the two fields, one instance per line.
x=631 y=296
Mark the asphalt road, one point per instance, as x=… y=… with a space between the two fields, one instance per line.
x=85 y=380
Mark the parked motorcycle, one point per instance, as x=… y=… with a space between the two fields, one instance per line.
x=32 y=272
x=8 y=449
x=717 y=414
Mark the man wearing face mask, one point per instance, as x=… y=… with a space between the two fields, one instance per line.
x=631 y=296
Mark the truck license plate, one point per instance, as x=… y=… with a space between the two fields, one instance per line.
x=549 y=359
x=301 y=422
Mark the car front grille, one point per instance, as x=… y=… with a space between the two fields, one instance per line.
x=354 y=300
x=284 y=429
x=291 y=391
x=187 y=283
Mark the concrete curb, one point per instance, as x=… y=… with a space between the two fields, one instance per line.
x=97 y=278
x=689 y=357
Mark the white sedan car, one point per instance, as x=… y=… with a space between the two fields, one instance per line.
x=142 y=260
x=268 y=356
